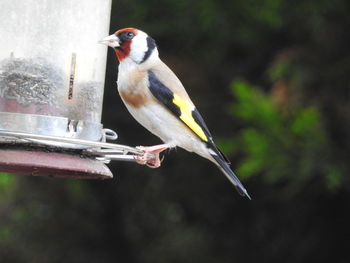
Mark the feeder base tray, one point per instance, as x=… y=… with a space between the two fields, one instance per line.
x=52 y=164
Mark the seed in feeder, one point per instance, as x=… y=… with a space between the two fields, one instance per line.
x=29 y=81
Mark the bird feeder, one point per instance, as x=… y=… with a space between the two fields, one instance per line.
x=52 y=72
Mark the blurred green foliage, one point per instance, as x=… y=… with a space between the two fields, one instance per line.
x=6 y=182
x=280 y=143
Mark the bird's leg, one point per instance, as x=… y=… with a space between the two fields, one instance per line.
x=150 y=157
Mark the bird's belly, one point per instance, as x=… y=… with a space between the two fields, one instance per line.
x=167 y=127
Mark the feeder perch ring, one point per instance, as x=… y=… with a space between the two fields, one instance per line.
x=102 y=151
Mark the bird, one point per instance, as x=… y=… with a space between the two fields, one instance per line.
x=156 y=98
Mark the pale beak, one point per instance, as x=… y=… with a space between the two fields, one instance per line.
x=112 y=41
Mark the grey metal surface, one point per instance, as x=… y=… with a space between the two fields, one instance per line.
x=91 y=144
x=54 y=126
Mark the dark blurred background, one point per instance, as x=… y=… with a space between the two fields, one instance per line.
x=271 y=79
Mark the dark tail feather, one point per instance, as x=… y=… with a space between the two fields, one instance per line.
x=225 y=168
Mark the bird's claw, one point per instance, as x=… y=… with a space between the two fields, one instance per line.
x=148 y=159
x=150 y=156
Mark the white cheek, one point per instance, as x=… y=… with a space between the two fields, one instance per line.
x=138 y=48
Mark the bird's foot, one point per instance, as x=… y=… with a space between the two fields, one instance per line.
x=150 y=157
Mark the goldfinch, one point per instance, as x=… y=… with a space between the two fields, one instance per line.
x=156 y=98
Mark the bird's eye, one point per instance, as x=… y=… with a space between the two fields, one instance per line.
x=130 y=35
x=126 y=36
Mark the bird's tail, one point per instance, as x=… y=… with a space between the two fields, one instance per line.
x=225 y=168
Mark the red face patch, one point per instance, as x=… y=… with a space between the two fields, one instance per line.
x=124 y=50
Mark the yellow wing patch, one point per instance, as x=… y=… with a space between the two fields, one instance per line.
x=186 y=116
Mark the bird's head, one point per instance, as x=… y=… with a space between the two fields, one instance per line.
x=131 y=43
